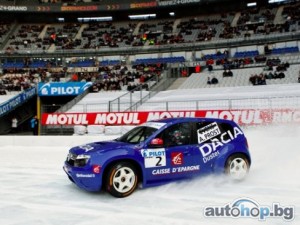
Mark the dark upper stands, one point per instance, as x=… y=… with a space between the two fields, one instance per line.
x=98 y=35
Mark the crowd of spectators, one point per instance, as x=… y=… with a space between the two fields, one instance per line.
x=15 y=82
x=20 y=79
x=4 y=29
x=234 y=63
x=109 y=34
x=112 y=78
x=212 y=80
x=274 y=69
x=227 y=73
x=258 y=79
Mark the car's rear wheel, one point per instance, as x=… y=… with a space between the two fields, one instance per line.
x=122 y=179
x=237 y=166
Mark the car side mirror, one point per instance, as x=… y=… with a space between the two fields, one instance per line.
x=157 y=142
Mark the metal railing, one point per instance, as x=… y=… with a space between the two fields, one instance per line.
x=131 y=100
x=194 y=46
x=213 y=104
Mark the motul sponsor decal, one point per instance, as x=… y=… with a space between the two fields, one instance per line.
x=171 y=114
x=239 y=116
x=242 y=117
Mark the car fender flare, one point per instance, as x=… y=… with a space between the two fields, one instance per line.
x=119 y=158
x=219 y=164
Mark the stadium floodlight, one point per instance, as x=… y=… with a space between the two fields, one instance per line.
x=142 y=16
x=172 y=14
x=61 y=19
x=251 y=4
x=89 y=19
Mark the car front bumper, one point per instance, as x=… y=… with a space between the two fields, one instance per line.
x=84 y=177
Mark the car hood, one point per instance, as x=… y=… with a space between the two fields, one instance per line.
x=101 y=147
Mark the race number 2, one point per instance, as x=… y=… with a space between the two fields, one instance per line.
x=154 y=157
x=159 y=160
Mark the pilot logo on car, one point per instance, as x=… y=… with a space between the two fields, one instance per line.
x=158 y=152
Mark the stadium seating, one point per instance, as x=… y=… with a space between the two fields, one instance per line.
x=178 y=59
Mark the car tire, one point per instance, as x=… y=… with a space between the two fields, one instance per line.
x=121 y=180
x=237 y=166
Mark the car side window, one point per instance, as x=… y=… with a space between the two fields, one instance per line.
x=176 y=135
x=206 y=131
x=137 y=135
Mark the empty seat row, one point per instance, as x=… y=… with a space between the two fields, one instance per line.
x=244 y=54
x=285 y=50
x=178 y=59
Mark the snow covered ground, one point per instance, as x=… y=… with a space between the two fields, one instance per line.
x=34 y=189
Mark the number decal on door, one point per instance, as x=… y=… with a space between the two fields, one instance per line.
x=154 y=157
x=159 y=160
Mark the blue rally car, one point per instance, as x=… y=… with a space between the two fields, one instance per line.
x=158 y=152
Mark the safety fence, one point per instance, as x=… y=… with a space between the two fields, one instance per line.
x=245 y=111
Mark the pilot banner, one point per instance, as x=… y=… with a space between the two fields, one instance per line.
x=62 y=89
x=17 y=101
x=242 y=117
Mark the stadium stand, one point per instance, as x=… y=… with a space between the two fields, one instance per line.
x=252 y=45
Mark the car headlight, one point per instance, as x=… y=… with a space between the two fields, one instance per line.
x=81 y=160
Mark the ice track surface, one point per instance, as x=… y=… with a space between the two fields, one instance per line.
x=34 y=189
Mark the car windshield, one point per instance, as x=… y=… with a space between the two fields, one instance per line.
x=137 y=135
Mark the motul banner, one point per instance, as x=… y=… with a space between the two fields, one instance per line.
x=242 y=117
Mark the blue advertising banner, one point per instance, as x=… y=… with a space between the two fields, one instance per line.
x=62 y=89
x=16 y=101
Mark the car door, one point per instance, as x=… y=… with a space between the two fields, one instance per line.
x=211 y=138
x=175 y=159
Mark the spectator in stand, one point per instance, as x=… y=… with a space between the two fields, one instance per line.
x=299 y=78
x=184 y=73
x=2 y=89
x=208 y=80
x=260 y=59
x=14 y=125
x=269 y=76
x=131 y=87
x=267 y=50
x=252 y=79
x=214 y=80
x=227 y=73
x=74 y=77
x=258 y=79
x=262 y=80
x=281 y=75
x=34 y=124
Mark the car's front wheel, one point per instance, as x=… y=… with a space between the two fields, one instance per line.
x=237 y=166
x=122 y=179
